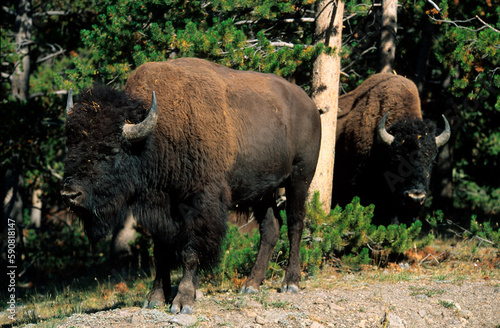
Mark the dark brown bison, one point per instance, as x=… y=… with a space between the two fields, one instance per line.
x=389 y=167
x=211 y=139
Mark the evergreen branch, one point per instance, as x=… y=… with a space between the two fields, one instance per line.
x=349 y=17
x=52 y=13
x=254 y=42
x=488 y=25
x=282 y=44
x=54 y=173
x=302 y=20
x=464 y=21
x=40 y=94
x=429 y=255
x=285 y=20
x=60 y=52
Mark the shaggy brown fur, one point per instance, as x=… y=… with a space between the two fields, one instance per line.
x=224 y=139
x=390 y=176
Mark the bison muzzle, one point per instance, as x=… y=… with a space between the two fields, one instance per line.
x=184 y=143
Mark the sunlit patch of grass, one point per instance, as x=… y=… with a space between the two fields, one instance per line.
x=46 y=308
x=422 y=290
x=447 y=304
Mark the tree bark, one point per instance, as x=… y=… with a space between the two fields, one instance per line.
x=36 y=208
x=326 y=75
x=22 y=30
x=388 y=35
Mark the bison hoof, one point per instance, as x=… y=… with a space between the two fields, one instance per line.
x=152 y=304
x=174 y=309
x=248 y=290
x=290 y=289
x=187 y=309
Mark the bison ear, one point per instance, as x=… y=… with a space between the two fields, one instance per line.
x=69 y=102
x=139 y=131
x=382 y=132
x=445 y=135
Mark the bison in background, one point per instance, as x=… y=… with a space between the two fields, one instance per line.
x=209 y=140
x=389 y=167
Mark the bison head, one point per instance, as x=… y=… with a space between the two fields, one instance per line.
x=410 y=149
x=103 y=156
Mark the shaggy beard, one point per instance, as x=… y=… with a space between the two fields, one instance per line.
x=98 y=222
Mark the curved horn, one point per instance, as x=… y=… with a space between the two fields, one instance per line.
x=382 y=132
x=69 y=102
x=139 y=131
x=445 y=135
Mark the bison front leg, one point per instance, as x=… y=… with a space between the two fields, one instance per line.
x=269 y=227
x=162 y=289
x=184 y=300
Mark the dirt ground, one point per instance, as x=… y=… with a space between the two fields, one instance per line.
x=336 y=301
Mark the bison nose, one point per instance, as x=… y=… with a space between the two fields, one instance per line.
x=71 y=196
x=416 y=196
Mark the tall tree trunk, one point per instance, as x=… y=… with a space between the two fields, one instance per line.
x=22 y=30
x=388 y=35
x=36 y=208
x=326 y=75
x=424 y=47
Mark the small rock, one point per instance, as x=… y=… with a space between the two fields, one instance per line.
x=422 y=297
x=422 y=313
x=336 y=307
x=135 y=319
x=183 y=320
x=395 y=321
x=316 y=325
x=260 y=320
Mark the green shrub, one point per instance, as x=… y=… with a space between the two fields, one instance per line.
x=237 y=256
x=342 y=233
x=488 y=232
x=484 y=231
x=350 y=234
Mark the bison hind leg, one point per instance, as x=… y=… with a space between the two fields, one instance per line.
x=267 y=215
x=296 y=193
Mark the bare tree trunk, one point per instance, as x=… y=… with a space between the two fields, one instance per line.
x=36 y=208
x=23 y=27
x=326 y=75
x=388 y=35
